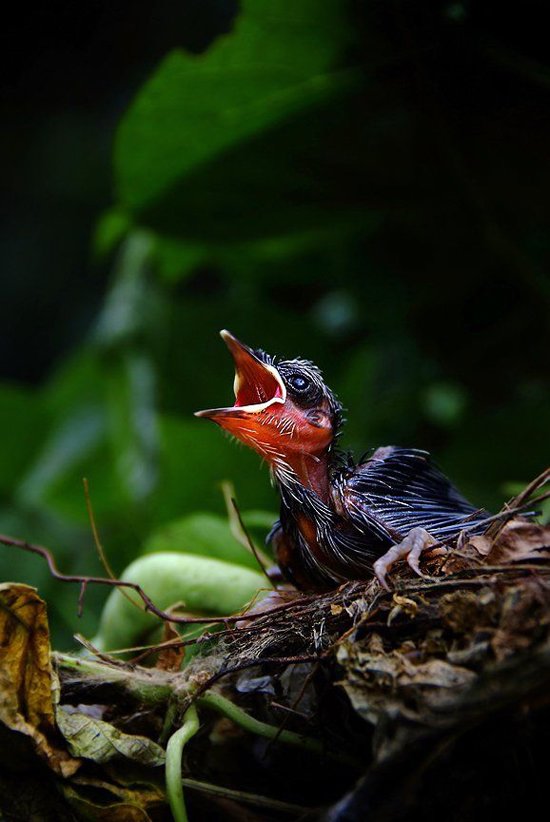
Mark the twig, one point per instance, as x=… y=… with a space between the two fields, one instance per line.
x=95 y=651
x=288 y=710
x=82 y=594
x=100 y=550
x=251 y=545
x=537 y=483
x=95 y=533
x=150 y=606
x=520 y=500
x=236 y=524
x=170 y=644
x=286 y=719
x=480 y=576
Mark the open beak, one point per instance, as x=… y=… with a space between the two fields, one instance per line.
x=257 y=387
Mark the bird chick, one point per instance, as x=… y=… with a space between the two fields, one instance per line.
x=339 y=519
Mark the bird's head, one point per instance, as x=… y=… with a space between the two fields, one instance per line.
x=283 y=409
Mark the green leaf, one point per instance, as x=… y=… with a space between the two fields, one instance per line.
x=238 y=143
x=129 y=376
x=131 y=392
x=176 y=259
x=203 y=534
x=195 y=459
x=444 y=403
x=196 y=107
x=109 y=231
x=23 y=423
x=203 y=585
x=74 y=383
x=129 y=307
x=70 y=443
x=99 y=741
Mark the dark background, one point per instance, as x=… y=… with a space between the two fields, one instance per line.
x=396 y=233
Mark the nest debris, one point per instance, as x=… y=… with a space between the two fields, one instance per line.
x=426 y=700
x=461 y=652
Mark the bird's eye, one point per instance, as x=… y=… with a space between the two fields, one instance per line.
x=299 y=383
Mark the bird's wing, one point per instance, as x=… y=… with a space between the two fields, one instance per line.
x=400 y=488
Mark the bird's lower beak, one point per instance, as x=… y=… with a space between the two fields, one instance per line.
x=257 y=387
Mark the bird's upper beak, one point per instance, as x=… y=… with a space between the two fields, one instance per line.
x=264 y=417
x=258 y=387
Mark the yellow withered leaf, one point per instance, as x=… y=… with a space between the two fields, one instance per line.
x=28 y=684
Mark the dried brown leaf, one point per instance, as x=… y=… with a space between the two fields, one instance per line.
x=170 y=658
x=87 y=809
x=390 y=684
x=483 y=545
x=28 y=684
x=467 y=611
x=129 y=802
x=520 y=541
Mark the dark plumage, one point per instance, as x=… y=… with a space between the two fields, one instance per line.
x=377 y=503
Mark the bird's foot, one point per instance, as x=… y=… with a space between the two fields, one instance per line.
x=411 y=547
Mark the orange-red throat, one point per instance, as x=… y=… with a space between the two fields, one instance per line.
x=266 y=417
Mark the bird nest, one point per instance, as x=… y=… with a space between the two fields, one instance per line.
x=448 y=673
x=424 y=700
x=483 y=601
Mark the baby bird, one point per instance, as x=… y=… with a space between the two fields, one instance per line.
x=339 y=520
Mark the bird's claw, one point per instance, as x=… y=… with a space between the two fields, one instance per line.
x=410 y=548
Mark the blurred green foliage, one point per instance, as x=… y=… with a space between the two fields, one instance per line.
x=302 y=185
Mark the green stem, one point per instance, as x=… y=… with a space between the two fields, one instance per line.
x=169 y=719
x=148 y=689
x=174 y=751
x=224 y=706
x=145 y=686
x=298 y=811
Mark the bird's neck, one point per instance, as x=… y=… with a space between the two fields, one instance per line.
x=308 y=470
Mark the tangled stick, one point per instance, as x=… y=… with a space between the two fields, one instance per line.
x=84 y=581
